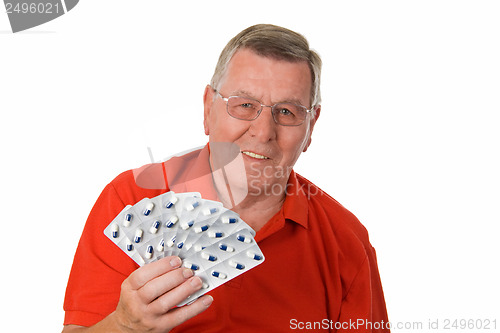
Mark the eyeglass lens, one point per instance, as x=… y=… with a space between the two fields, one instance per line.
x=244 y=108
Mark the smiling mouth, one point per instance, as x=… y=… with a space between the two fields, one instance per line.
x=255 y=155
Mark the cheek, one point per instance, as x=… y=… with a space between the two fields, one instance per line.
x=225 y=129
x=293 y=145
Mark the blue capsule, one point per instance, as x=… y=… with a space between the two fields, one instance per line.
x=187 y=225
x=215 y=234
x=254 y=256
x=208 y=256
x=171 y=242
x=226 y=248
x=180 y=245
x=171 y=202
x=210 y=211
x=114 y=230
x=138 y=235
x=219 y=275
x=149 y=252
x=236 y=265
x=127 y=220
x=198 y=247
x=130 y=247
x=161 y=246
x=201 y=229
x=229 y=220
x=172 y=221
x=192 y=266
x=192 y=205
x=148 y=209
x=154 y=228
x=243 y=239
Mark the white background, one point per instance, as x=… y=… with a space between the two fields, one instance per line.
x=407 y=140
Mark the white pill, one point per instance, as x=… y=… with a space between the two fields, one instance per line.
x=114 y=230
x=127 y=220
x=193 y=205
x=154 y=228
x=172 y=221
x=243 y=239
x=171 y=202
x=201 y=228
x=209 y=211
x=236 y=265
x=171 y=242
x=149 y=252
x=254 y=256
x=226 y=248
x=208 y=256
x=161 y=246
x=138 y=235
x=229 y=219
x=130 y=247
x=198 y=247
x=148 y=208
x=190 y=265
x=187 y=225
x=219 y=275
x=215 y=234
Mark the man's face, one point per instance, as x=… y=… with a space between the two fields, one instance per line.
x=269 y=150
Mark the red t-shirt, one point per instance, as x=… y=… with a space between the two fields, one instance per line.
x=320 y=270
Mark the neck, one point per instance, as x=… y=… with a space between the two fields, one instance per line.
x=255 y=207
x=256 y=211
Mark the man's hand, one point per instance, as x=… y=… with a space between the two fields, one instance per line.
x=148 y=298
x=149 y=294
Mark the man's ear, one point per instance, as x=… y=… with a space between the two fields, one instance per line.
x=208 y=100
x=316 y=112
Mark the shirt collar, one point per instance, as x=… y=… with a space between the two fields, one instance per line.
x=295 y=207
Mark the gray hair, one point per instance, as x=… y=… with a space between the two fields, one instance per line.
x=276 y=42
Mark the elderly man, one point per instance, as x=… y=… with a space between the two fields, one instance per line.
x=320 y=270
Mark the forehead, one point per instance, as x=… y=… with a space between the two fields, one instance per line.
x=266 y=77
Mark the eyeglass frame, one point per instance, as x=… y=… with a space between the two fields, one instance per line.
x=226 y=99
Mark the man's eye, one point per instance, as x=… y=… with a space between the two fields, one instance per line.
x=247 y=105
x=285 y=112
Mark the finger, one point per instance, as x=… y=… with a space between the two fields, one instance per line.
x=163 y=283
x=146 y=273
x=169 y=300
x=179 y=315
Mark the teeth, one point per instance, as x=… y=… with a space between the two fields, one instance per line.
x=254 y=155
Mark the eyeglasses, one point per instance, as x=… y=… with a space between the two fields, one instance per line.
x=245 y=108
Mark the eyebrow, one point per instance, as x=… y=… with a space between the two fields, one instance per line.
x=244 y=93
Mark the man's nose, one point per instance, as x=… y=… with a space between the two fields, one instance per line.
x=264 y=127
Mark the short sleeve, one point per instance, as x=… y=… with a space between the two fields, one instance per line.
x=99 y=266
x=363 y=308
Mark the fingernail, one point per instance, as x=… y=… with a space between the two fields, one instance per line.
x=207 y=300
x=196 y=282
x=187 y=273
x=175 y=262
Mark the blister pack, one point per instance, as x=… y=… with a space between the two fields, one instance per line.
x=223 y=260
x=211 y=240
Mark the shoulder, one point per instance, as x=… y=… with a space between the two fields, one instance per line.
x=153 y=179
x=133 y=185
x=331 y=217
x=320 y=200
